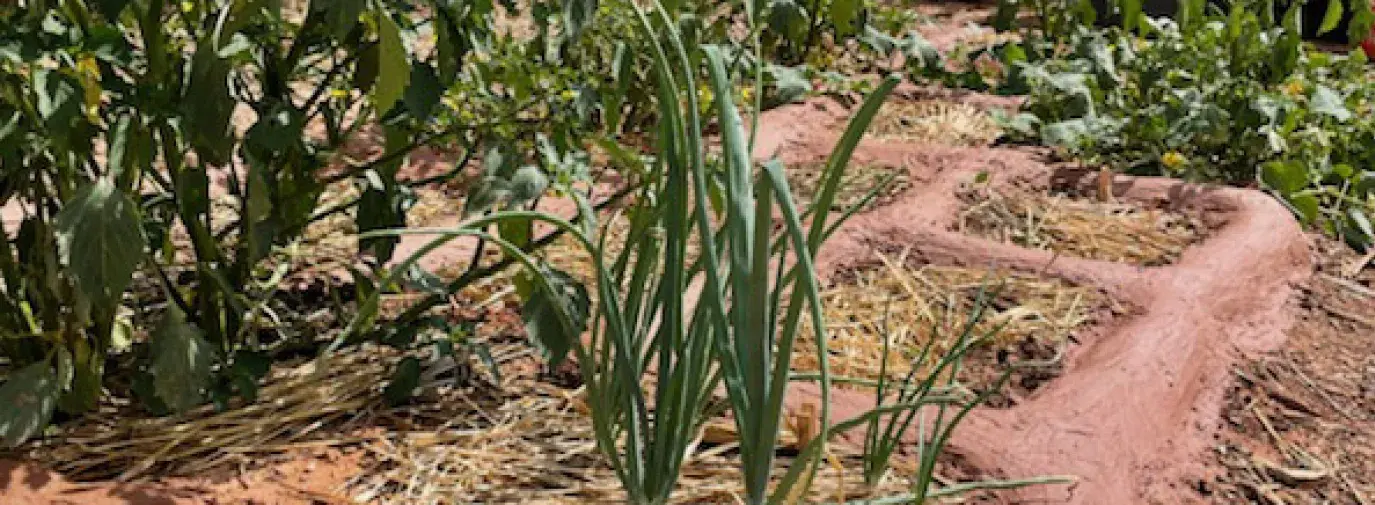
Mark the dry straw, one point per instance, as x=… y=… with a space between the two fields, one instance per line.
x=1086 y=228
x=920 y=303
x=935 y=122
x=292 y=412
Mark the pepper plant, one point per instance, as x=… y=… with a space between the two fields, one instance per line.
x=128 y=127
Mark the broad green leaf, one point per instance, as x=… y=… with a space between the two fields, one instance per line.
x=845 y=14
x=1286 y=177
x=340 y=15
x=540 y=313
x=111 y=8
x=394 y=67
x=790 y=84
x=403 y=382
x=1332 y=17
x=1362 y=20
x=1306 y=206
x=1328 y=102
x=424 y=91
x=366 y=68
x=100 y=241
x=27 y=401
x=181 y=360
x=209 y=107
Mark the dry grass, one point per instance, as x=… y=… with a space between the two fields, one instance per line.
x=855 y=184
x=934 y=122
x=1085 y=228
x=922 y=303
x=293 y=411
x=532 y=443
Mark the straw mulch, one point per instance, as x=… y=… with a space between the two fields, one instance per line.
x=915 y=304
x=935 y=122
x=301 y=407
x=855 y=184
x=1110 y=231
x=530 y=441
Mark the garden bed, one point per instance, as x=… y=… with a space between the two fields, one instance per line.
x=1078 y=223
x=1029 y=321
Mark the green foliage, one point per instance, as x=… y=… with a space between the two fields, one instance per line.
x=1226 y=97
x=162 y=151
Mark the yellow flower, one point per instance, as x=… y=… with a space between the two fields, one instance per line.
x=338 y=93
x=746 y=93
x=1293 y=88
x=1173 y=160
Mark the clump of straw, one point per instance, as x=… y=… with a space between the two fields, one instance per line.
x=915 y=304
x=1109 y=231
x=291 y=413
x=935 y=122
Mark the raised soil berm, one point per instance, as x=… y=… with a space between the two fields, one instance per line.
x=1137 y=404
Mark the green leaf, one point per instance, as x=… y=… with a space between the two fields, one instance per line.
x=1305 y=206
x=365 y=70
x=424 y=92
x=209 y=107
x=100 y=241
x=1332 y=17
x=1326 y=101
x=541 y=316
x=181 y=360
x=1286 y=177
x=1361 y=222
x=111 y=8
x=403 y=382
x=845 y=14
x=394 y=67
x=790 y=84
x=27 y=401
x=340 y=15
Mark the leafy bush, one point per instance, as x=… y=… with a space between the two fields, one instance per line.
x=128 y=128
x=1223 y=97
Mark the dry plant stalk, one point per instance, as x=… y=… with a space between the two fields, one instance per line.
x=935 y=122
x=1100 y=230
x=926 y=302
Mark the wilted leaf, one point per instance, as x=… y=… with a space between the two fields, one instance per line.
x=27 y=400
x=181 y=360
x=100 y=241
